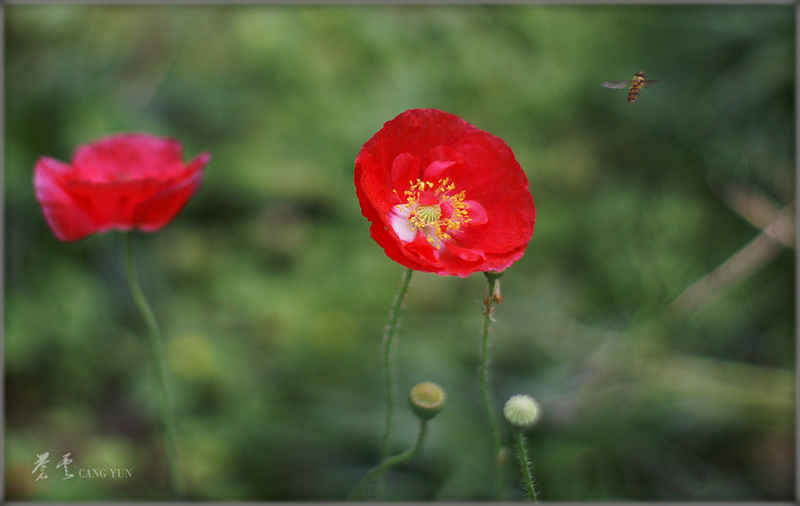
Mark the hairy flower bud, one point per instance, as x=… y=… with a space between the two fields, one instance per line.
x=522 y=411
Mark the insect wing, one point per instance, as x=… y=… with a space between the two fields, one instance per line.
x=616 y=85
x=650 y=82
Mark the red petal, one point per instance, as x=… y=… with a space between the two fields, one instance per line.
x=67 y=220
x=476 y=213
x=392 y=247
x=405 y=171
x=438 y=170
x=470 y=255
x=378 y=191
x=422 y=251
x=128 y=156
x=154 y=213
x=112 y=205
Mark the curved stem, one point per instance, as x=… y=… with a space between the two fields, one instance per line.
x=492 y=295
x=388 y=366
x=377 y=471
x=156 y=348
x=522 y=455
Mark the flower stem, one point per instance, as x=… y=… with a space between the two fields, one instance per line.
x=388 y=363
x=156 y=348
x=492 y=296
x=377 y=471
x=522 y=455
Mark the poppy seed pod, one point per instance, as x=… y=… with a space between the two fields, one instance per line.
x=426 y=400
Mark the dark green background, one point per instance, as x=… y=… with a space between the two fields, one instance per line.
x=272 y=296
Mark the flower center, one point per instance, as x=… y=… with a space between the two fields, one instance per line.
x=434 y=209
x=428 y=214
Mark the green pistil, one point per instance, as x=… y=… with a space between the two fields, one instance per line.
x=429 y=214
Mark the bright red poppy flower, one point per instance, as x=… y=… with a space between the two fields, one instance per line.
x=444 y=196
x=119 y=182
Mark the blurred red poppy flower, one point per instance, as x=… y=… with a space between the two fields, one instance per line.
x=120 y=182
x=444 y=196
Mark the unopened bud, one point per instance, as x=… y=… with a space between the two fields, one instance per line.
x=522 y=411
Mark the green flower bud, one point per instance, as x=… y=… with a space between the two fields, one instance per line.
x=522 y=411
x=426 y=399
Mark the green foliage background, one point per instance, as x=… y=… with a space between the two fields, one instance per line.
x=272 y=296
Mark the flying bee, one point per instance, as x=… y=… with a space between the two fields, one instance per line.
x=636 y=85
